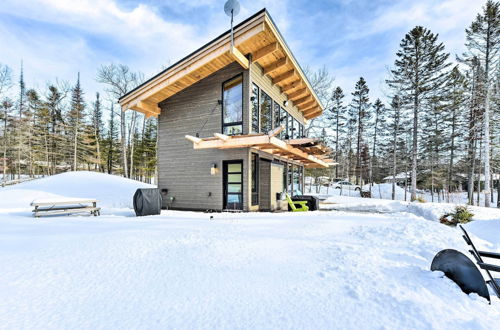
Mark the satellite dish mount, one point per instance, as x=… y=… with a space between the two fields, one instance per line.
x=232 y=8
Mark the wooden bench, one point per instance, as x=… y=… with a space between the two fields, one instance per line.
x=65 y=206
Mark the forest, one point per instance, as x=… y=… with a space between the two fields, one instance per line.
x=438 y=122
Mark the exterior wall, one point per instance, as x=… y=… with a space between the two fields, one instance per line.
x=264 y=185
x=184 y=171
x=276 y=184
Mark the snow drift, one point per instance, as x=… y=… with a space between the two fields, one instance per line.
x=112 y=191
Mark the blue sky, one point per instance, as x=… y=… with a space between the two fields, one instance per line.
x=58 y=38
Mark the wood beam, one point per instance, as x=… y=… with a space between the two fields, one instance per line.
x=284 y=76
x=292 y=85
x=312 y=109
x=293 y=96
x=313 y=114
x=276 y=131
x=308 y=105
x=147 y=108
x=302 y=100
x=193 y=139
x=239 y=57
x=223 y=137
x=276 y=65
x=264 y=51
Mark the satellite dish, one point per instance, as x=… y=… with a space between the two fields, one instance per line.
x=232 y=8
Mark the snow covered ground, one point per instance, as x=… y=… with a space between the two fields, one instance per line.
x=384 y=191
x=316 y=270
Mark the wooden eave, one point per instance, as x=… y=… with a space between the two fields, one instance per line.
x=311 y=155
x=256 y=39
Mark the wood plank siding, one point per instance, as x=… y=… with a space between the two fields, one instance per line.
x=184 y=171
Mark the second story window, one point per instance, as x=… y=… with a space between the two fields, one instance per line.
x=232 y=106
x=265 y=113
x=255 y=108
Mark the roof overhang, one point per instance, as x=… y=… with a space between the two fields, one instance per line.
x=308 y=152
x=256 y=39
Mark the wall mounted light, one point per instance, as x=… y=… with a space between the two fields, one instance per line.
x=285 y=103
x=213 y=169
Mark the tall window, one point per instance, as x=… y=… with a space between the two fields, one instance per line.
x=289 y=179
x=296 y=129
x=232 y=106
x=265 y=112
x=276 y=114
x=297 y=189
x=255 y=179
x=289 y=127
x=255 y=108
x=283 y=121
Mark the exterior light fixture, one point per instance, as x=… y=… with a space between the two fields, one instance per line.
x=285 y=103
x=214 y=170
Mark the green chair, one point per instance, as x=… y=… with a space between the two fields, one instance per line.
x=297 y=206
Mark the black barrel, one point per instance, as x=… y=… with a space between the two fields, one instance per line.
x=147 y=201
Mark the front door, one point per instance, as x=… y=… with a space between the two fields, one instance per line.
x=233 y=184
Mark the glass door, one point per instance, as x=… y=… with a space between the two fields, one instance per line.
x=233 y=184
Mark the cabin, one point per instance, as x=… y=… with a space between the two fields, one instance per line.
x=231 y=118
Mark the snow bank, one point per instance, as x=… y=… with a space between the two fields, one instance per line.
x=112 y=191
x=429 y=211
x=318 y=270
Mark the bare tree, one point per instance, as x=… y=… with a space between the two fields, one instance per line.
x=120 y=80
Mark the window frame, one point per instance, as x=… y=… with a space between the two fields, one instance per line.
x=252 y=110
x=236 y=123
x=254 y=172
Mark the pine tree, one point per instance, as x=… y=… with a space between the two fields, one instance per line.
x=338 y=120
x=76 y=121
x=419 y=69
x=20 y=128
x=360 y=105
x=53 y=104
x=379 y=123
x=456 y=94
x=97 y=129
x=483 y=40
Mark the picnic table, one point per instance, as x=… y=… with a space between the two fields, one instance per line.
x=67 y=205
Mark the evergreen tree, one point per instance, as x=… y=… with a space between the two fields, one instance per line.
x=419 y=69
x=97 y=129
x=360 y=105
x=483 y=40
x=76 y=121
x=338 y=120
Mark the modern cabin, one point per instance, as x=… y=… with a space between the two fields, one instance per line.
x=231 y=119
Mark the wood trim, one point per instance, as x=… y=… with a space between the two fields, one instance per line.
x=264 y=51
x=284 y=76
x=293 y=96
x=276 y=65
x=302 y=100
x=292 y=85
x=239 y=57
x=257 y=141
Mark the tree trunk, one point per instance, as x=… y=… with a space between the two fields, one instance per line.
x=124 y=143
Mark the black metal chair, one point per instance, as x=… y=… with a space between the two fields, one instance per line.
x=494 y=283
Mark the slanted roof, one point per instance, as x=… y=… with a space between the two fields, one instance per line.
x=258 y=36
x=309 y=152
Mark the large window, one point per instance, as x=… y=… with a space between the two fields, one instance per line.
x=265 y=113
x=289 y=127
x=255 y=179
x=255 y=108
x=232 y=106
x=296 y=129
x=283 y=121
x=276 y=114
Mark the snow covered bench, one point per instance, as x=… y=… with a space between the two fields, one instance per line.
x=65 y=206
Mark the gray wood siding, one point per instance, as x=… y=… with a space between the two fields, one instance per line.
x=265 y=185
x=184 y=171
